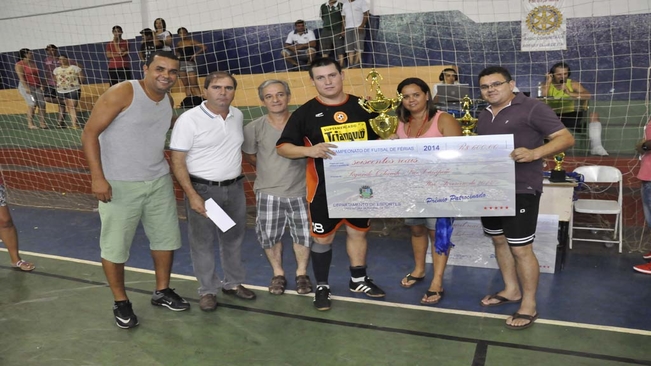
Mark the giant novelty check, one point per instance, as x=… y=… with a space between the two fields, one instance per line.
x=425 y=177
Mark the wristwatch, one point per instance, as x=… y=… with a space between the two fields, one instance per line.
x=644 y=147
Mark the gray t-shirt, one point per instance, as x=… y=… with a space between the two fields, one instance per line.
x=276 y=175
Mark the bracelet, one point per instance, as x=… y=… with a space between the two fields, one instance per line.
x=644 y=147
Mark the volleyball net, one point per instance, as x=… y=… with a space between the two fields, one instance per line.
x=607 y=49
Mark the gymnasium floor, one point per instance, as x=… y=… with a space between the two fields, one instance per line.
x=594 y=312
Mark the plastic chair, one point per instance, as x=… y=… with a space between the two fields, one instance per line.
x=600 y=174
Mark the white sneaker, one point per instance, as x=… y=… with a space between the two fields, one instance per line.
x=599 y=150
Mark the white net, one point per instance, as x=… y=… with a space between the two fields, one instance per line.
x=608 y=50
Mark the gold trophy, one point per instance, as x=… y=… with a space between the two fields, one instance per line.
x=558 y=174
x=467 y=122
x=383 y=125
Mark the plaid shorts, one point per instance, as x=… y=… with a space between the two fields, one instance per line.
x=274 y=213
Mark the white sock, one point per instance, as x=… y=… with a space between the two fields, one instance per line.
x=594 y=132
x=358 y=279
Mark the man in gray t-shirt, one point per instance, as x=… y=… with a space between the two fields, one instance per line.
x=279 y=188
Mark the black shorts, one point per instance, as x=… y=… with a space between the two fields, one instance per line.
x=118 y=75
x=573 y=121
x=322 y=225
x=520 y=229
x=73 y=95
x=50 y=92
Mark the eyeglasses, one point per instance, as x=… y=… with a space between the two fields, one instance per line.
x=493 y=85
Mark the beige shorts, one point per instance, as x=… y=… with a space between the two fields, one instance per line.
x=151 y=202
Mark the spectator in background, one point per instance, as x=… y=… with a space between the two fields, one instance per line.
x=332 y=34
x=562 y=94
x=188 y=49
x=300 y=45
x=117 y=52
x=30 y=87
x=69 y=78
x=162 y=34
x=645 y=176
x=355 y=15
x=149 y=44
x=448 y=76
x=50 y=90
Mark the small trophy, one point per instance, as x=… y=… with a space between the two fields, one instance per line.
x=558 y=174
x=383 y=125
x=467 y=122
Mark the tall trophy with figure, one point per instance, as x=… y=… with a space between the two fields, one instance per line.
x=467 y=122
x=383 y=125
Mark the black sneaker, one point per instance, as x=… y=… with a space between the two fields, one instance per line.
x=367 y=286
x=322 y=298
x=169 y=299
x=124 y=316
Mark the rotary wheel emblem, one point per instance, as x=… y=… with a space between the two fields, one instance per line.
x=544 y=20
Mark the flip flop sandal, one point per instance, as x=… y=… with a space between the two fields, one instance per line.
x=409 y=278
x=278 y=284
x=303 y=284
x=501 y=300
x=530 y=318
x=429 y=294
x=24 y=266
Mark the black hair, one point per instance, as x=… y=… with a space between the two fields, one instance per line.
x=162 y=21
x=495 y=70
x=161 y=53
x=402 y=112
x=116 y=27
x=561 y=65
x=442 y=75
x=323 y=61
x=51 y=47
x=182 y=28
x=23 y=52
x=219 y=75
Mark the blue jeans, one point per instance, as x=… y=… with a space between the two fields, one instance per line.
x=201 y=236
x=646 y=201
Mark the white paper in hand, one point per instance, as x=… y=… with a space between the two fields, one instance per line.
x=218 y=216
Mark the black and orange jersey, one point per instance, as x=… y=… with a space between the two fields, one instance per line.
x=315 y=122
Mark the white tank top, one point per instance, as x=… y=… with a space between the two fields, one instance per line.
x=132 y=145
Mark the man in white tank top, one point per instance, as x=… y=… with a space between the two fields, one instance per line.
x=124 y=142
